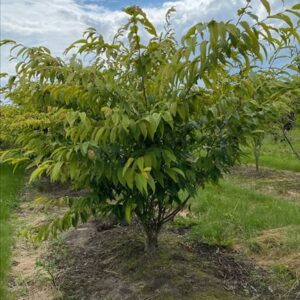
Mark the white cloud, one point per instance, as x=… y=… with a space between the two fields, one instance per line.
x=54 y=24
x=57 y=23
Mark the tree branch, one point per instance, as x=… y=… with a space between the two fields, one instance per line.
x=289 y=142
x=176 y=211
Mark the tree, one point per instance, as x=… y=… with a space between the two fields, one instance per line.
x=141 y=123
x=274 y=96
x=288 y=120
x=280 y=115
x=278 y=98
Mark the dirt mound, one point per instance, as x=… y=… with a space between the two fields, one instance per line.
x=112 y=265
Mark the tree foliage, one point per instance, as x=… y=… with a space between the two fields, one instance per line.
x=143 y=121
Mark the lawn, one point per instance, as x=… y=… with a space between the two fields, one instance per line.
x=228 y=213
x=10 y=184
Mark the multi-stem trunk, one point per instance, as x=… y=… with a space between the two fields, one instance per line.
x=151 y=240
x=153 y=216
x=150 y=220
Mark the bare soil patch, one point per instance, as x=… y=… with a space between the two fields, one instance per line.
x=112 y=265
x=279 y=247
x=26 y=281
x=269 y=181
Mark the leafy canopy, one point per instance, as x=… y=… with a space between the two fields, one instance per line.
x=140 y=123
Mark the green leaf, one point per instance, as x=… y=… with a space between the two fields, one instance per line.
x=253 y=16
x=181 y=111
x=258 y=131
x=6 y=41
x=266 y=4
x=159 y=176
x=38 y=172
x=294 y=68
x=296 y=13
x=169 y=156
x=129 y=178
x=296 y=6
x=113 y=134
x=168 y=118
x=56 y=170
x=172 y=174
x=214 y=32
x=173 y=108
x=128 y=212
x=121 y=177
x=99 y=134
x=83 y=118
x=140 y=163
x=141 y=183
x=154 y=120
x=127 y=165
x=148 y=26
x=151 y=182
x=179 y=171
x=143 y=129
x=284 y=18
x=84 y=148
x=203 y=54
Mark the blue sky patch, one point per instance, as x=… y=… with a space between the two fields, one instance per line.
x=119 y=4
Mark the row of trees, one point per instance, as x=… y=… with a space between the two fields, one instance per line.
x=143 y=121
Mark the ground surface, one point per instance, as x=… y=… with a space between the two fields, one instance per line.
x=111 y=264
x=239 y=240
x=90 y=263
x=9 y=187
x=27 y=281
x=270 y=182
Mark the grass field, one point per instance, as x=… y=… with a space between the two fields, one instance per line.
x=228 y=213
x=278 y=154
x=10 y=184
x=246 y=204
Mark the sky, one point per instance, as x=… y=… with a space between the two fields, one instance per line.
x=57 y=23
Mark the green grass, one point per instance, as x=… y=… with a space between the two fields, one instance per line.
x=10 y=183
x=278 y=155
x=228 y=213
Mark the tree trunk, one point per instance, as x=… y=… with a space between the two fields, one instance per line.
x=151 y=224
x=151 y=240
x=257 y=146
x=256 y=161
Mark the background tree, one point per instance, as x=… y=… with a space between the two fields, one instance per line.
x=144 y=122
x=290 y=119
x=280 y=117
x=275 y=97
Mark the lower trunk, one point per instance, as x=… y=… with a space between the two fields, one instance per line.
x=151 y=240
x=257 y=163
x=256 y=155
x=151 y=227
